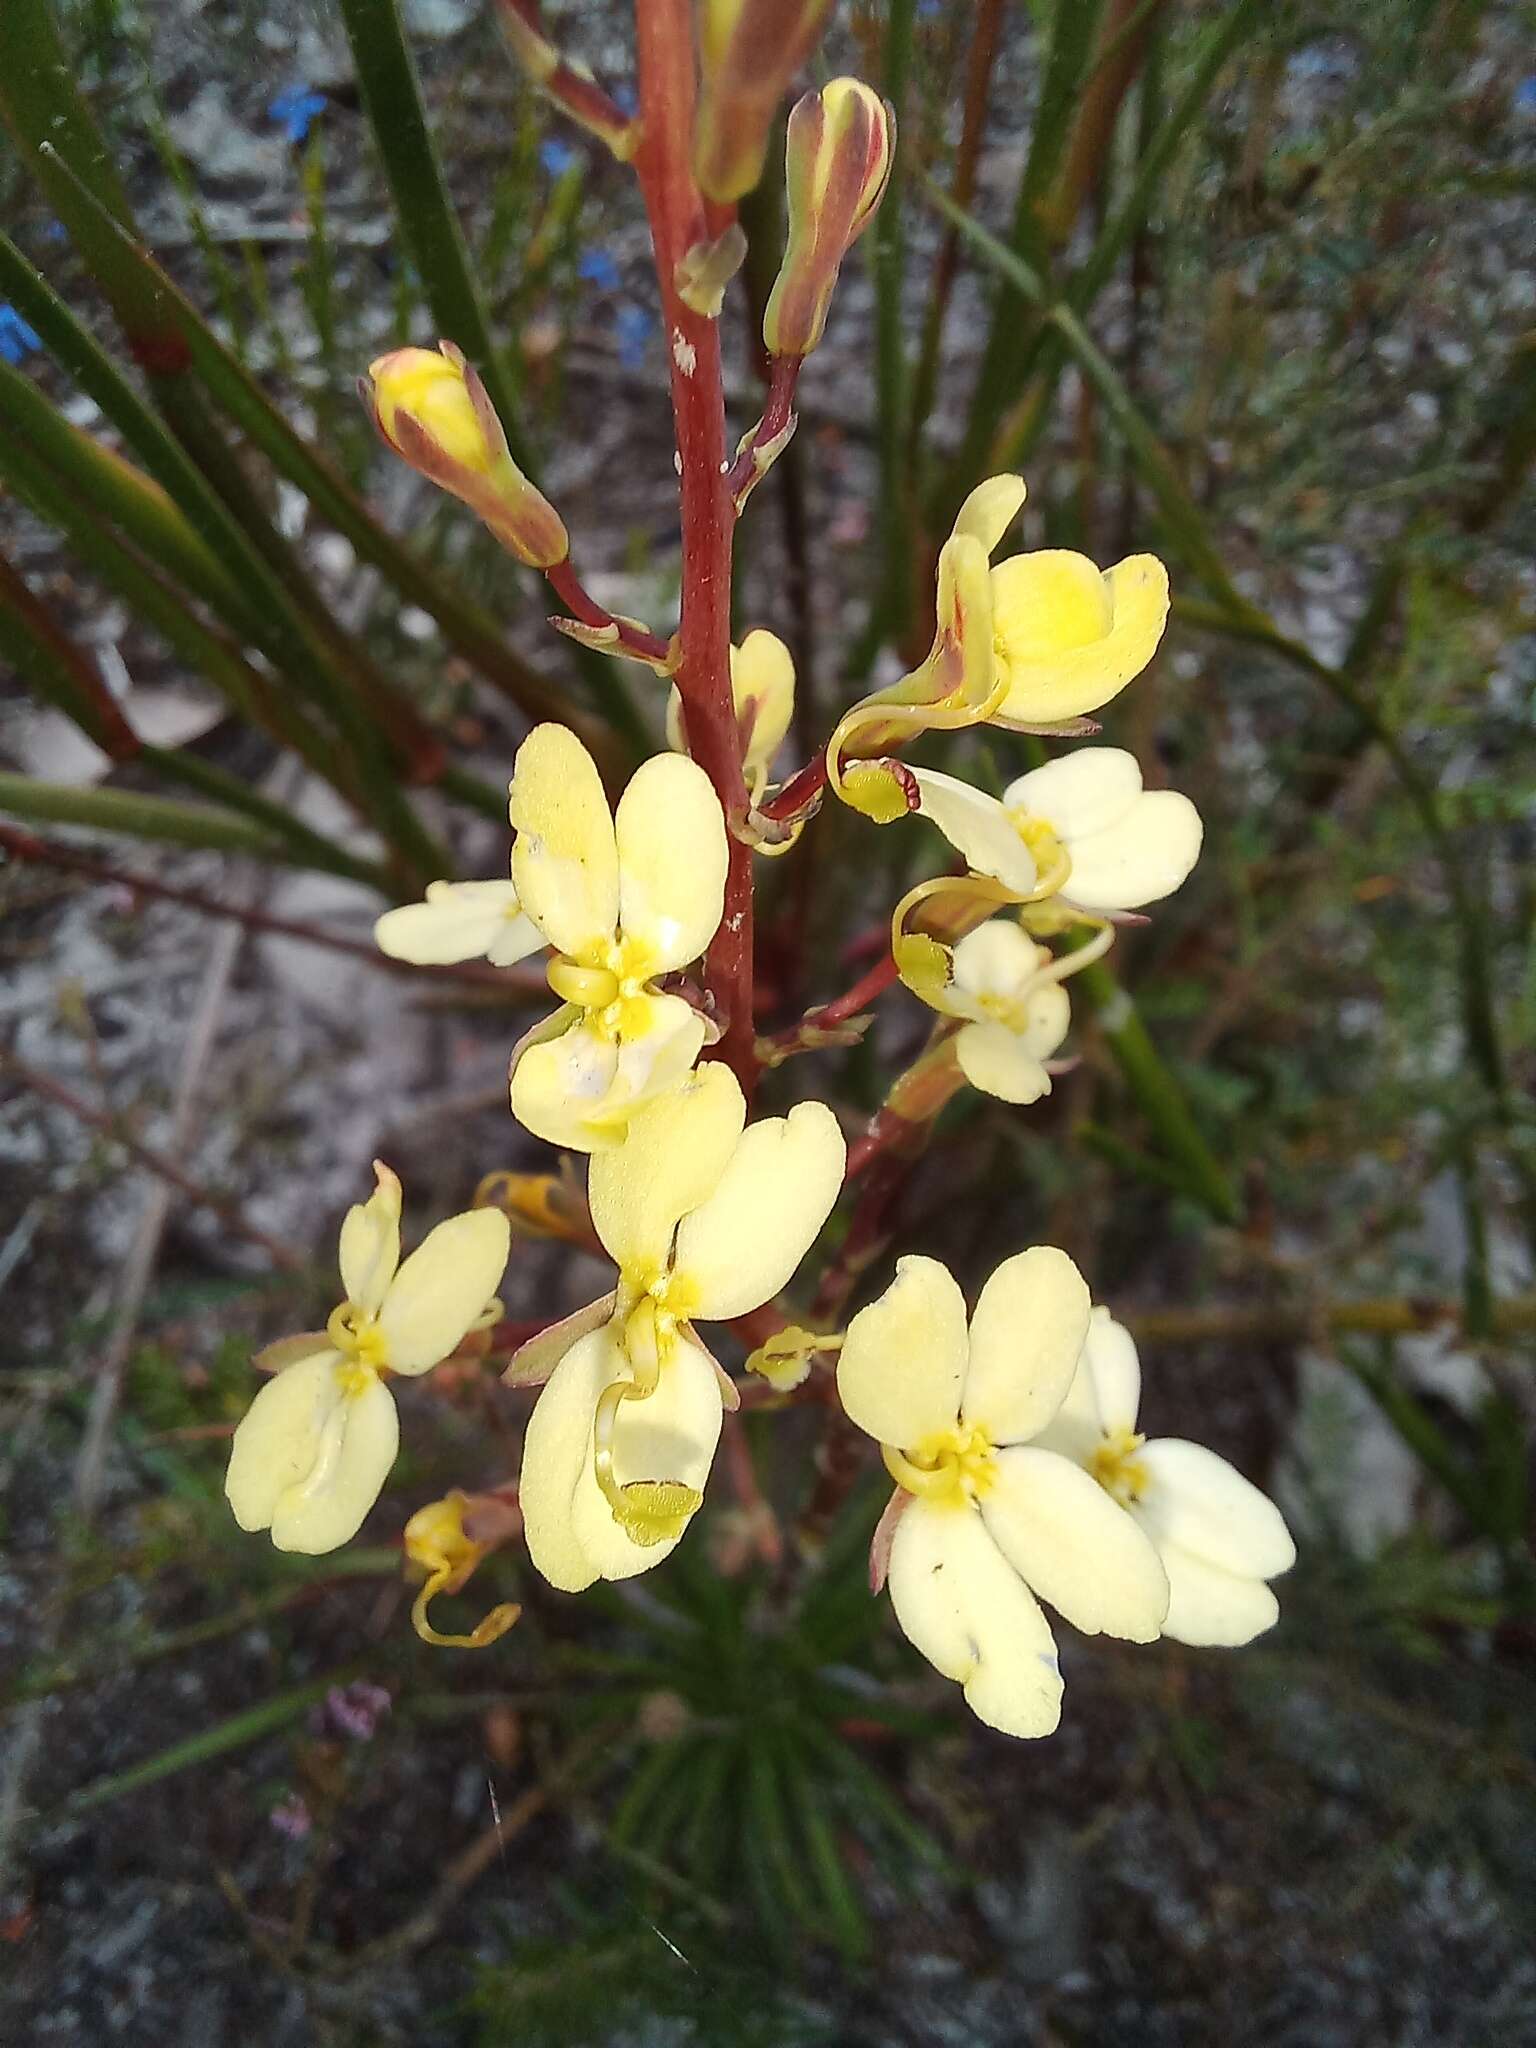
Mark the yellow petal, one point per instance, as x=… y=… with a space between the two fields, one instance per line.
x=1113 y=1370
x=443 y=1288
x=1075 y=1547
x=997 y=959
x=582 y=1088
x=991 y=509
x=743 y=1244
x=565 y=863
x=672 y=1435
x=1027 y=1336
x=1211 y=1608
x=556 y=1444
x=672 y=859
x=1068 y=638
x=1195 y=1499
x=309 y=1459
x=1079 y=793
x=763 y=689
x=672 y=1157
x=459 y=921
x=370 y=1242
x=998 y=1062
x=977 y=826
x=902 y=1364
x=962 y=1604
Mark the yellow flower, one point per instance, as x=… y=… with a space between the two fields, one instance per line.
x=316 y=1445
x=984 y=1520
x=763 y=691
x=1219 y=1538
x=705 y=1219
x=439 y=1545
x=460 y=921
x=1015 y=1012
x=623 y=899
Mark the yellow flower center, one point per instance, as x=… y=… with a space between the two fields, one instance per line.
x=951 y=1468
x=1118 y=1469
x=358 y=1337
x=611 y=985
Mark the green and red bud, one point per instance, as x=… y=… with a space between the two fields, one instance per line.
x=837 y=160
x=433 y=410
x=749 y=50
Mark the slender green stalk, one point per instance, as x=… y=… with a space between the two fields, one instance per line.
x=309 y=849
x=143 y=817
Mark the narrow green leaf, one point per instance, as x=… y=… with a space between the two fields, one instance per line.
x=142 y=817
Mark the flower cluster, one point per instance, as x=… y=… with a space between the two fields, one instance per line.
x=1011 y=1434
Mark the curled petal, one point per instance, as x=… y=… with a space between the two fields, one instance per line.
x=370 y=1242
x=312 y=1454
x=1026 y=1338
x=991 y=509
x=1069 y=639
x=902 y=1365
x=962 y=1604
x=582 y=1087
x=672 y=848
x=672 y=1158
x=1078 y=1549
x=978 y=827
x=565 y=862
x=440 y=1292
x=741 y=1246
x=459 y=921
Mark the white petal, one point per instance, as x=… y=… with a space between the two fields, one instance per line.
x=1026 y=1339
x=370 y=1242
x=459 y=921
x=1200 y=1502
x=443 y=1288
x=743 y=1244
x=902 y=1364
x=673 y=1155
x=997 y=959
x=565 y=862
x=581 y=1087
x=670 y=831
x=1079 y=793
x=978 y=827
x=1112 y=1371
x=1141 y=859
x=962 y=1604
x=309 y=1458
x=1213 y=1609
x=995 y=1061
x=556 y=1444
x=1075 y=1546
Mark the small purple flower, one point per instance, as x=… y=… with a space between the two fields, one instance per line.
x=356 y=1710
x=557 y=157
x=597 y=267
x=18 y=340
x=291 y=1817
x=633 y=328
x=295 y=109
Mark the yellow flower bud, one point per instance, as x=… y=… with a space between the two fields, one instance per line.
x=837 y=159
x=749 y=50
x=438 y=1545
x=433 y=410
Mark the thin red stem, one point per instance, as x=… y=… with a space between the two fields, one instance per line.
x=802 y=1037
x=582 y=606
x=802 y=786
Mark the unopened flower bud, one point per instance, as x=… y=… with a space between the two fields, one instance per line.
x=837 y=156
x=435 y=413
x=749 y=50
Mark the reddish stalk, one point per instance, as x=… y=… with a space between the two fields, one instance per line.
x=801 y=1037
x=572 y=593
x=802 y=786
x=664 y=34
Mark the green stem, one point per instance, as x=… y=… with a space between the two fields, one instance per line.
x=144 y=817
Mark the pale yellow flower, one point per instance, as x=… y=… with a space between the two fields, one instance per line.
x=763 y=692
x=706 y=1219
x=1015 y=1012
x=991 y=1519
x=315 y=1447
x=1220 y=1539
x=460 y=921
x=1084 y=818
x=624 y=898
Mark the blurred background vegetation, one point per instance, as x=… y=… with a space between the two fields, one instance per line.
x=1251 y=285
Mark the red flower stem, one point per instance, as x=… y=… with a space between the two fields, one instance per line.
x=802 y=786
x=778 y=411
x=573 y=594
x=821 y=1016
x=664 y=42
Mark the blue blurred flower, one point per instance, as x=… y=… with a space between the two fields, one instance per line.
x=295 y=109
x=623 y=97
x=17 y=339
x=599 y=268
x=633 y=328
x=1525 y=96
x=557 y=157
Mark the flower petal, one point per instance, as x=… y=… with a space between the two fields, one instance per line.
x=962 y=1604
x=1203 y=1504
x=997 y=959
x=443 y=1288
x=580 y=1088
x=1213 y=1609
x=902 y=1364
x=565 y=863
x=978 y=827
x=1079 y=793
x=1026 y=1338
x=1067 y=643
x=532 y=1363
x=991 y=509
x=672 y=1157
x=1140 y=860
x=763 y=690
x=742 y=1245
x=1076 y=1546
x=997 y=1062
x=309 y=1458
x=671 y=1435
x=1111 y=1370
x=556 y=1445
x=459 y=921
x=370 y=1242
x=670 y=831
